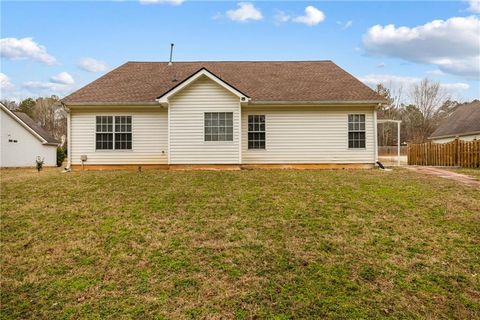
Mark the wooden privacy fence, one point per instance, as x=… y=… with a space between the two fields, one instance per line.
x=456 y=153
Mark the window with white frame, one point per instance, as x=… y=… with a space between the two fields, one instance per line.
x=256 y=132
x=104 y=133
x=113 y=133
x=356 y=131
x=218 y=126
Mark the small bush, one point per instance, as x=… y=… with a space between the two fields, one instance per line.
x=39 y=162
x=61 y=155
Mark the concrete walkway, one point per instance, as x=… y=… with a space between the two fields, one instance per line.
x=439 y=172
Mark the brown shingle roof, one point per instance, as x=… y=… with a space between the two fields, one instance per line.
x=309 y=81
x=35 y=127
x=466 y=119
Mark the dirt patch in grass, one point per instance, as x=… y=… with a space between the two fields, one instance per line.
x=238 y=244
x=475 y=173
x=447 y=174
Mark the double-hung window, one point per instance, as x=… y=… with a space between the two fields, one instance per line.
x=218 y=126
x=104 y=134
x=356 y=131
x=113 y=133
x=123 y=133
x=256 y=132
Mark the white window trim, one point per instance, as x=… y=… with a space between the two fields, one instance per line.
x=348 y=131
x=266 y=135
x=225 y=142
x=113 y=132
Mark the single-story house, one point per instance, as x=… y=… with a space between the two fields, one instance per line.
x=462 y=124
x=226 y=114
x=22 y=141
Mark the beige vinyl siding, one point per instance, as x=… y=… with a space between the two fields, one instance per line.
x=187 y=108
x=149 y=137
x=308 y=135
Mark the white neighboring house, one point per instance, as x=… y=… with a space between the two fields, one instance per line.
x=22 y=141
x=237 y=113
x=462 y=124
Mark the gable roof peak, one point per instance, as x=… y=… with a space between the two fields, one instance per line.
x=202 y=72
x=28 y=123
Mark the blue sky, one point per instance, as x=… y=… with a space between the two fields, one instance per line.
x=57 y=47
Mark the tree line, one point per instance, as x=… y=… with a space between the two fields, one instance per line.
x=425 y=106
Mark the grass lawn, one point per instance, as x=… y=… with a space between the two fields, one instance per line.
x=280 y=244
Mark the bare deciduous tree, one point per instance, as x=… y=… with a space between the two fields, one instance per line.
x=427 y=96
x=387 y=132
x=10 y=104
x=421 y=110
x=51 y=115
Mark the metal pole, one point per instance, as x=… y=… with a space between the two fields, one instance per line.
x=398 y=143
x=171 y=54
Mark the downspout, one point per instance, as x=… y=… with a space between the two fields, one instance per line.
x=168 y=134
x=166 y=105
x=375 y=137
x=69 y=138
x=240 y=133
x=398 y=143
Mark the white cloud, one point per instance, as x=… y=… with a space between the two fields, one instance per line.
x=8 y=90
x=474 y=6
x=388 y=80
x=38 y=85
x=62 y=78
x=246 y=11
x=345 y=25
x=217 y=16
x=171 y=2
x=312 y=16
x=92 y=65
x=436 y=73
x=452 y=45
x=39 y=88
x=33 y=88
x=281 y=17
x=59 y=84
x=400 y=82
x=455 y=87
x=5 y=83
x=25 y=48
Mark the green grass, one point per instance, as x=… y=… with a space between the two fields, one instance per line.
x=279 y=244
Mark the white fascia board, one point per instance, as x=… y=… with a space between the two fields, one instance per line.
x=203 y=72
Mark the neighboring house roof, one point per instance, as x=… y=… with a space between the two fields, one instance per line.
x=31 y=126
x=261 y=81
x=463 y=121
